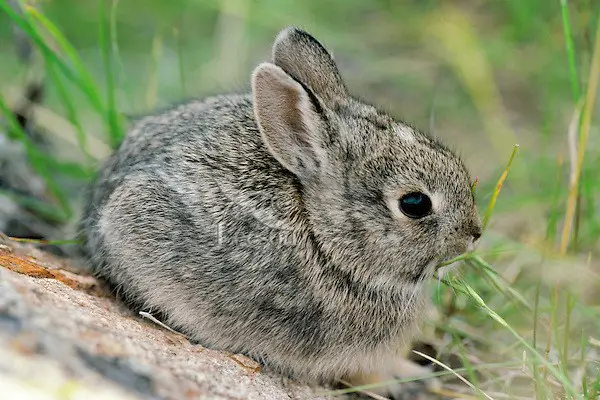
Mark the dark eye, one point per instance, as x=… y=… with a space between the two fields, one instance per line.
x=415 y=205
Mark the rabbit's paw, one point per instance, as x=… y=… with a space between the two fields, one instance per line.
x=417 y=389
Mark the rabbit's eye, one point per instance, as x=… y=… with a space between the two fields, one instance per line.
x=415 y=205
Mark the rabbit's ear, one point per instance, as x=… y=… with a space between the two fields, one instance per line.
x=304 y=58
x=289 y=120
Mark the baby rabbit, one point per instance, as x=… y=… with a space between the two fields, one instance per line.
x=295 y=224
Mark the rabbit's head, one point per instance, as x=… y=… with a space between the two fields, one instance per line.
x=383 y=200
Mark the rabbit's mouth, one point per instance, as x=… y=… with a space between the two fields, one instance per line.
x=449 y=262
x=442 y=269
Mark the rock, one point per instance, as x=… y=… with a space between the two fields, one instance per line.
x=62 y=336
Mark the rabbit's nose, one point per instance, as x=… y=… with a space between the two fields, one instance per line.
x=472 y=230
x=476 y=233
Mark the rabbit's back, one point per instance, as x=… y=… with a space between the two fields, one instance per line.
x=220 y=129
x=191 y=218
x=201 y=165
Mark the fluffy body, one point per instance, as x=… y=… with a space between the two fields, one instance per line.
x=268 y=223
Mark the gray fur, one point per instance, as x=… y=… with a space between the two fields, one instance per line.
x=268 y=223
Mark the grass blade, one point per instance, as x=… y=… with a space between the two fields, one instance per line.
x=115 y=131
x=36 y=158
x=570 y=48
x=498 y=188
x=583 y=138
x=42 y=241
x=564 y=380
x=447 y=368
x=70 y=110
x=82 y=78
x=47 y=211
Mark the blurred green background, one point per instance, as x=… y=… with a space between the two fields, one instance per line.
x=481 y=75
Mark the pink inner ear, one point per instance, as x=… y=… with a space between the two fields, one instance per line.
x=292 y=115
x=287 y=119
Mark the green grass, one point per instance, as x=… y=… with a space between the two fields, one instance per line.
x=523 y=312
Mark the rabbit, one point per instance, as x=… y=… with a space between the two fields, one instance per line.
x=295 y=224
